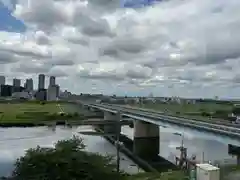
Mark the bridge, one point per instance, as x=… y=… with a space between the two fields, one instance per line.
x=146 y=126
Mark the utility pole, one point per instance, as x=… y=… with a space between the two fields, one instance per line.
x=118 y=132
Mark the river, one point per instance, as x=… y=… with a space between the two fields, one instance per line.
x=15 y=141
x=203 y=146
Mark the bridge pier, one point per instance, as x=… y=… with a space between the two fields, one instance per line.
x=111 y=128
x=146 y=140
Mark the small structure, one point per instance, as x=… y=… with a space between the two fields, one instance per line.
x=207 y=172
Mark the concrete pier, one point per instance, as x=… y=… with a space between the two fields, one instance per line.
x=111 y=128
x=146 y=140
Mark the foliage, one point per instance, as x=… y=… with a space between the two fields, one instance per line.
x=236 y=110
x=67 y=160
x=206 y=114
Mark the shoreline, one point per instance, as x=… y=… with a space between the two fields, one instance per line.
x=33 y=124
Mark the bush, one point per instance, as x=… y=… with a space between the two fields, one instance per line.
x=236 y=110
x=42 y=103
x=221 y=114
x=206 y=114
x=75 y=114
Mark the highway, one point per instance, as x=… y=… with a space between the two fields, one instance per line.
x=223 y=130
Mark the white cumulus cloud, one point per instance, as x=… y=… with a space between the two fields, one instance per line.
x=174 y=47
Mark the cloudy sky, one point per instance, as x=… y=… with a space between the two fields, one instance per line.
x=174 y=47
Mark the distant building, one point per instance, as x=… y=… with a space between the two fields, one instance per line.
x=41 y=95
x=65 y=94
x=21 y=95
x=29 y=84
x=57 y=90
x=6 y=90
x=52 y=93
x=16 y=82
x=17 y=89
x=41 y=81
x=52 y=81
x=2 y=80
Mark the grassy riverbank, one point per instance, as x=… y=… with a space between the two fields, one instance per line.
x=199 y=111
x=36 y=113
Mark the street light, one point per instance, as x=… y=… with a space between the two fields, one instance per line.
x=118 y=143
x=183 y=150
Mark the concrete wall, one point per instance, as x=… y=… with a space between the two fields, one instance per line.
x=146 y=139
x=111 y=128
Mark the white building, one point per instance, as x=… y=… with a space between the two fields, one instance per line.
x=41 y=81
x=20 y=95
x=52 y=93
x=2 y=80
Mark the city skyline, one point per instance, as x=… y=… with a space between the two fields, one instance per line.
x=28 y=83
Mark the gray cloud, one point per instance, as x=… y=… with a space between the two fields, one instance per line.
x=6 y=58
x=171 y=44
x=31 y=67
x=45 y=14
x=57 y=72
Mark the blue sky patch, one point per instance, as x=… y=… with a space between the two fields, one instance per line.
x=8 y=22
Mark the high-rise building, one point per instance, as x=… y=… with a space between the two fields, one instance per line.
x=57 y=90
x=29 y=84
x=41 y=81
x=52 y=93
x=16 y=82
x=2 y=80
x=52 y=81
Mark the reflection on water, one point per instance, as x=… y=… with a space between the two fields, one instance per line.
x=203 y=146
x=15 y=141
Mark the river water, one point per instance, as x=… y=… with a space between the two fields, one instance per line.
x=204 y=147
x=14 y=142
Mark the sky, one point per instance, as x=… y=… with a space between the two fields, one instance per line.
x=187 y=48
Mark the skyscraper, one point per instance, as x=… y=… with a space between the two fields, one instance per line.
x=2 y=80
x=29 y=84
x=52 y=81
x=41 y=81
x=16 y=82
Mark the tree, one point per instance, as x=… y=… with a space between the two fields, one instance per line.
x=67 y=160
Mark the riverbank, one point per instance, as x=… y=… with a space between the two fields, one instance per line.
x=31 y=114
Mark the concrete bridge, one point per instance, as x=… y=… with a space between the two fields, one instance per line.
x=146 y=127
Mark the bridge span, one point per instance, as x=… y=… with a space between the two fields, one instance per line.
x=147 y=124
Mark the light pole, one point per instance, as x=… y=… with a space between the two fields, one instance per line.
x=183 y=150
x=118 y=144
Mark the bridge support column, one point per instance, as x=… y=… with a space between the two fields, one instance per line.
x=146 y=139
x=113 y=127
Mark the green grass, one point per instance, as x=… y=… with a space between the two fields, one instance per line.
x=33 y=112
x=188 y=110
